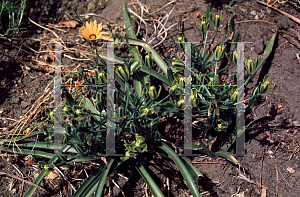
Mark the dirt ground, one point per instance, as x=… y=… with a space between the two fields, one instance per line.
x=271 y=161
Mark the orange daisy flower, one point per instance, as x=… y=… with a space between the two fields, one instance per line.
x=92 y=31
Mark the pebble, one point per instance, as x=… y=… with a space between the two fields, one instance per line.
x=15 y=99
x=253 y=12
x=232 y=190
x=24 y=111
x=268 y=10
x=250 y=163
x=24 y=104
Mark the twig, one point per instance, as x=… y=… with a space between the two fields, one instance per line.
x=60 y=172
x=281 y=175
x=282 y=12
x=253 y=21
x=262 y=160
x=43 y=27
x=28 y=182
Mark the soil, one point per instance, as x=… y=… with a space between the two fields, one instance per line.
x=271 y=163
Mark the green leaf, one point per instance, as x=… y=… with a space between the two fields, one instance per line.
x=228 y=156
x=87 y=104
x=69 y=99
x=195 y=173
x=150 y=182
x=185 y=173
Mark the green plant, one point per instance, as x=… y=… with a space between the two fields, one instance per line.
x=11 y=16
x=86 y=126
x=212 y=100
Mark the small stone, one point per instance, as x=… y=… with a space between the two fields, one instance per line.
x=261 y=15
x=291 y=116
x=24 y=104
x=232 y=190
x=250 y=163
x=15 y=99
x=259 y=46
x=256 y=17
x=268 y=10
x=253 y=12
x=91 y=6
x=24 y=111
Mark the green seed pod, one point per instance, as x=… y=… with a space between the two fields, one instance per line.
x=153 y=94
x=149 y=60
x=74 y=8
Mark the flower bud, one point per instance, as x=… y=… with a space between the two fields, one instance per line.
x=235 y=57
x=264 y=87
x=219 y=51
x=174 y=90
x=204 y=27
x=181 y=82
x=149 y=60
x=249 y=66
x=102 y=78
x=233 y=97
x=135 y=66
x=123 y=74
x=178 y=65
x=180 y=104
x=195 y=101
x=153 y=94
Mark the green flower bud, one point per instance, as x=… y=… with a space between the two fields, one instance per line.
x=195 y=101
x=180 y=104
x=122 y=74
x=235 y=57
x=216 y=21
x=204 y=27
x=121 y=111
x=149 y=60
x=174 y=90
x=233 y=97
x=255 y=91
x=74 y=8
x=264 y=87
x=181 y=82
x=216 y=80
x=153 y=94
x=249 y=66
x=102 y=78
x=219 y=51
x=135 y=67
x=178 y=65
x=194 y=92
